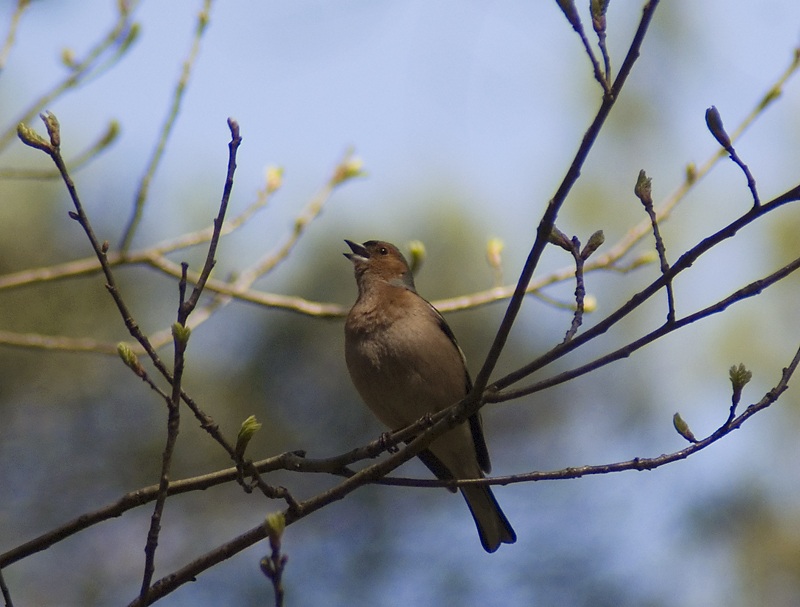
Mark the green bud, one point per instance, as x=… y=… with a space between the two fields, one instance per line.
x=595 y=240
x=248 y=429
x=274 y=178
x=274 y=525
x=301 y=222
x=53 y=128
x=181 y=333
x=598 y=9
x=130 y=359
x=683 y=428
x=416 y=249
x=351 y=167
x=771 y=96
x=494 y=250
x=30 y=137
x=643 y=188
x=112 y=132
x=133 y=34
x=558 y=238
x=691 y=173
x=740 y=376
x=68 y=58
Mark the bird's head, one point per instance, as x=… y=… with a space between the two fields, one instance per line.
x=379 y=261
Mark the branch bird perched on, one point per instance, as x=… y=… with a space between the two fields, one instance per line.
x=405 y=363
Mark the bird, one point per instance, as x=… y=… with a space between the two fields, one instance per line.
x=405 y=364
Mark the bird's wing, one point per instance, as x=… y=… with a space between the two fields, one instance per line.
x=475 y=423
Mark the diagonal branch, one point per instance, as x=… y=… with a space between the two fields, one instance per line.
x=553 y=207
x=190 y=571
x=684 y=262
x=750 y=290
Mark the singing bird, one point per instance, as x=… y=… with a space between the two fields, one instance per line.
x=405 y=363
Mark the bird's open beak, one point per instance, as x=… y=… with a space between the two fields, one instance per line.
x=359 y=253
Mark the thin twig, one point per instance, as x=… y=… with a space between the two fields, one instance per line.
x=180 y=340
x=571 y=13
x=714 y=122
x=274 y=565
x=750 y=290
x=166 y=129
x=644 y=194
x=154 y=257
x=5 y=591
x=101 y=251
x=188 y=306
x=348 y=168
x=173 y=428
x=190 y=571
x=293 y=461
x=598 y=10
x=121 y=35
x=77 y=163
x=573 y=247
x=684 y=262
x=639 y=463
x=12 y=32
x=553 y=207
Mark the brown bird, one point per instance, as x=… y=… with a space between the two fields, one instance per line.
x=405 y=363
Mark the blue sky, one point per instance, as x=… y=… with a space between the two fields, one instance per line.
x=482 y=105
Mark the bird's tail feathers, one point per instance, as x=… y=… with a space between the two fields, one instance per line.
x=493 y=526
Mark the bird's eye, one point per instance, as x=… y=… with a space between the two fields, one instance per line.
x=384 y=251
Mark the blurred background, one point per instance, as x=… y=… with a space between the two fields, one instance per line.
x=466 y=115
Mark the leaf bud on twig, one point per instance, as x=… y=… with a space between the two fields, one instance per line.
x=274 y=178
x=68 y=58
x=691 y=173
x=130 y=359
x=53 y=128
x=558 y=238
x=595 y=240
x=571 y=13
x=643 y=189
x=416 y=249
x=181 y=333
x=349 y=168
x=494 y=250
x=598 y=9
x=714 y=123
x=248 y=429
x=31 y=138
x=683 y=428
x=740 y=376
x=274 y=525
